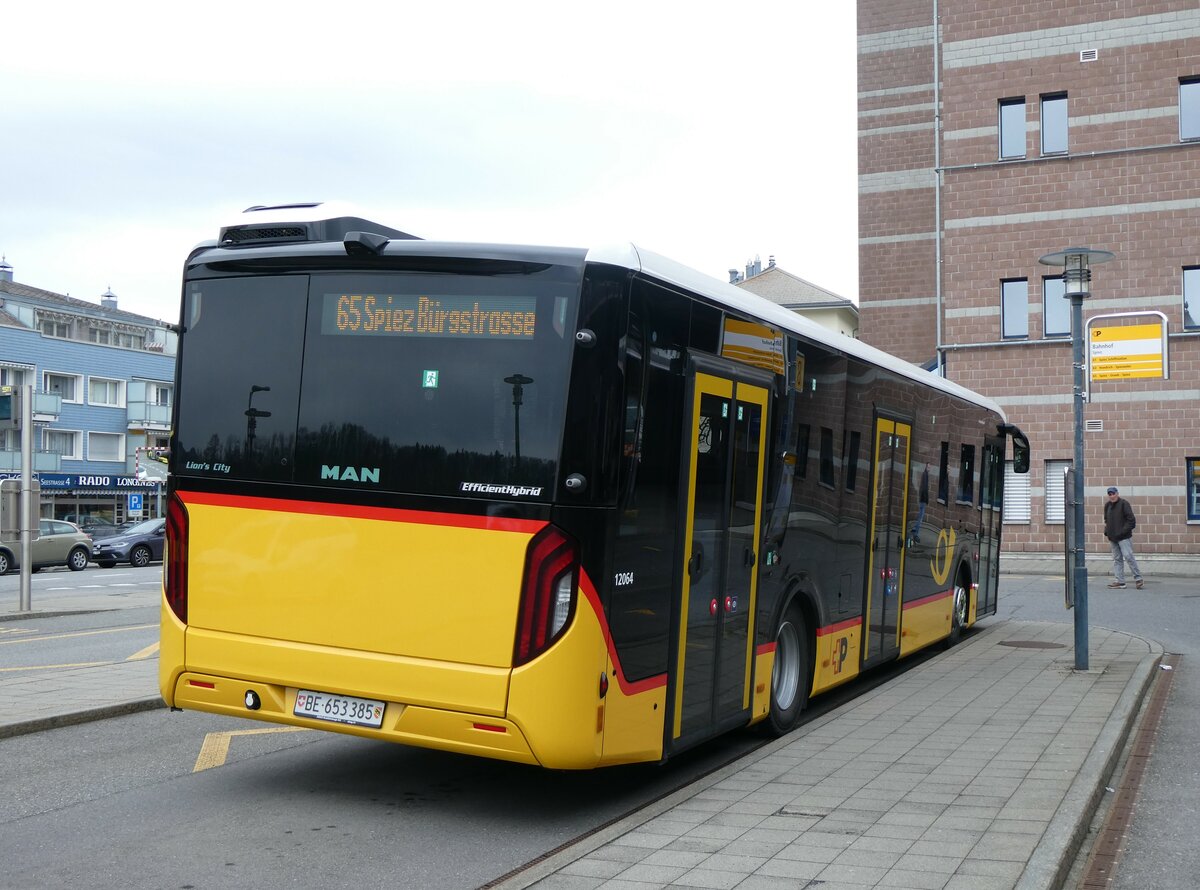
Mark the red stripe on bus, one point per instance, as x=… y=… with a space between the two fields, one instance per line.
x=841 y=625
x=628 y=687
x=352 y=511
x=764 y=648
x=925 y=600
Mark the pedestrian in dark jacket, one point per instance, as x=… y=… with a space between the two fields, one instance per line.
x=1119 y=523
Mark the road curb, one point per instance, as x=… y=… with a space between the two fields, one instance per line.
x=76 y=717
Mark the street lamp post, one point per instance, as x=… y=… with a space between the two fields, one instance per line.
x=252 y=415
x=1077 y=276
x=519 y=382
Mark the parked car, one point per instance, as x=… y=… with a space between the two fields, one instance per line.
x=96 y=526
x=136 y=545
x=59 y=543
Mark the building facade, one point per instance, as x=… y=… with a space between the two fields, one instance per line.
x=102 y=382
x=795 y=293
x=993 y=134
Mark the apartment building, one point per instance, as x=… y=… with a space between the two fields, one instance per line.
x=993 y=134
x=102 y=383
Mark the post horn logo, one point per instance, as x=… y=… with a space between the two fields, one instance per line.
x=939 y=565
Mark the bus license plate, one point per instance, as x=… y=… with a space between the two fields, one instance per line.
x=338 y=708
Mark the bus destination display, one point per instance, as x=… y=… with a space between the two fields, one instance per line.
x=411 y=315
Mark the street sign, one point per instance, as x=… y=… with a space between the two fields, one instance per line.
x=135 y=504
x=1127 y=351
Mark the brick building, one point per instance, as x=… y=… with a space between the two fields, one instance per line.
x=1010 y=131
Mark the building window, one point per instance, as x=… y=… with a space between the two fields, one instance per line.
x=158 y=394
x=852 y=444
x=14 y=376
x=802 y=451
x=109 y=393
x=106 y=446
x=55 y=329
x=63 y=442
x=1056 y=308
x=1012 y=128
x=69 y=386
x=1056 y=491
x=944 y=474
x=96 y=335
x=1018 y=508
x=827 y=477
x=1054 y=124
x=966 y=475
x=1014 y=304
x=1189 y=108
x=1193 y=489
x=1191 y=298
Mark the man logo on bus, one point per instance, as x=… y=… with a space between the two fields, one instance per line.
x=350 y=474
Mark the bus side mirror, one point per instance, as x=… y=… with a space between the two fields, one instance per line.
x=1020 y=453
x=1020 y=443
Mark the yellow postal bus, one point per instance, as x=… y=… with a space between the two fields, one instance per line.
x=557 y=506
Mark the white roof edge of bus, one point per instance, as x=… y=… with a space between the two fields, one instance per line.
x=633 y=257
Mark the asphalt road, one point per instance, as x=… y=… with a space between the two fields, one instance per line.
x=1160 y=847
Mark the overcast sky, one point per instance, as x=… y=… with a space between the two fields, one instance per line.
x=706 y=132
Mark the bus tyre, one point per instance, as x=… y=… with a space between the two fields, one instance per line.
x=959 y=610
x=789 y=674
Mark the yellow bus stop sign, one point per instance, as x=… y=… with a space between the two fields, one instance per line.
x=1126 y=353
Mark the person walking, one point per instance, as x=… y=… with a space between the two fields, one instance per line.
x=1119 y=523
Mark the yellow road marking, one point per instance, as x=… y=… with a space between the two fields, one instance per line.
x=144 y=653
x=79 y=633
x=216 y=745
x=47 y=667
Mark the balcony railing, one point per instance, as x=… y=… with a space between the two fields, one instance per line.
x=43 y=462
x=47 y=406
x=147 y=415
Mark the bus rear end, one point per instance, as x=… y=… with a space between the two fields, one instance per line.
x=361 y=524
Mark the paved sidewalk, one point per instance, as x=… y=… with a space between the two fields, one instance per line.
x=978 y=770
x=33 y=702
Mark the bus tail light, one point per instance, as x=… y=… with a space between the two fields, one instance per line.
x=547 y=593
x=175 y=576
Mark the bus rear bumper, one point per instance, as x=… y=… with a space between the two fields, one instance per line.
x=480 y=735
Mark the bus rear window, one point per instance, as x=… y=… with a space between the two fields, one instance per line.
x=433 y=384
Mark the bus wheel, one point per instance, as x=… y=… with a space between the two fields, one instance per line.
x=961 y=606
x=789 y=674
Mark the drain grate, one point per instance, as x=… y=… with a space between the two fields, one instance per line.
x=1032 y=644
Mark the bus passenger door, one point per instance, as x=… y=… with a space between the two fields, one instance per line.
x=991 y=486
x=724 y=450
x=885 y=555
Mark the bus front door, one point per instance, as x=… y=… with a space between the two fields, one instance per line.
x=724 y=448
x=885 y=557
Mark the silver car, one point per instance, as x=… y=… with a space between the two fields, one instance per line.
x=58 y=543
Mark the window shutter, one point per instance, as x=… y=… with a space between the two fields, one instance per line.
x=1056 y=509
x=1017 y=506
